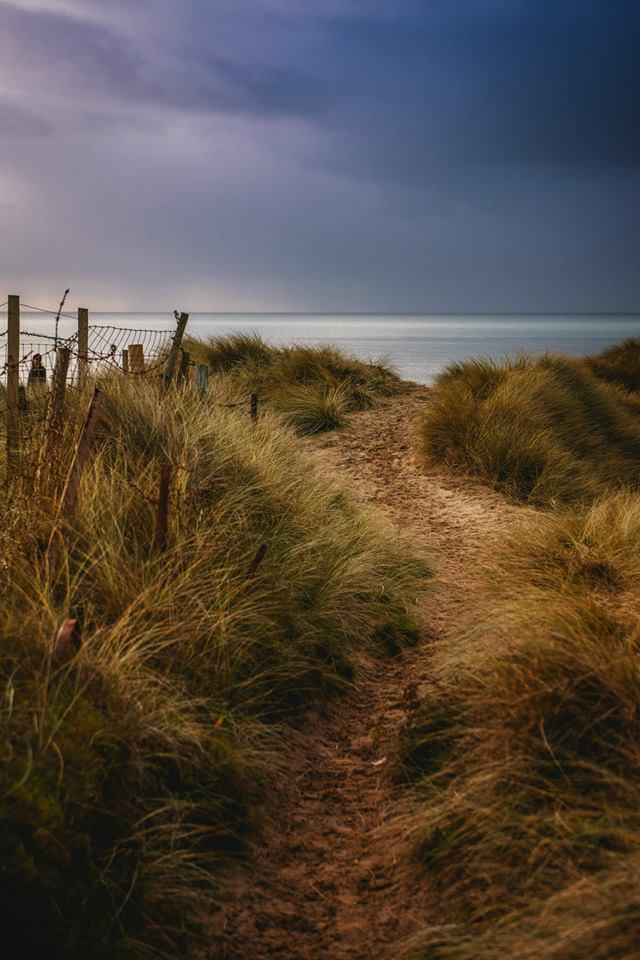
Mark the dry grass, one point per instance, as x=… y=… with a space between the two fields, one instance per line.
x=132 y=771
x=544 y=431
x=524 y=758
x=312 y=388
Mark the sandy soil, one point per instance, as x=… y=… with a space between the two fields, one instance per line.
x=330 y=880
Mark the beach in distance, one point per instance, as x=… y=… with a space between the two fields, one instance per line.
x=418 y=346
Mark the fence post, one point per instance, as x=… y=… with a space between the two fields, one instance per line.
x=55 y=417
x=70 y=491
x=135 y=355
x=183 y=372
x=202 y=374
x=83 y=346
x=69 y=496
x=13 y=379
x=254 y=406
x=162 y=517
x=173 y=353
x=125 y=361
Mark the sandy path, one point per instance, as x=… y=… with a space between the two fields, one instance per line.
x=328 y=881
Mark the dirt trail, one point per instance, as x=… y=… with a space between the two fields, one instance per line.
x=328 y=882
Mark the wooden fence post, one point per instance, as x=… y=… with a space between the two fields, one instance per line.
x=162 y=516
x=83 y=346
x=13 y=380
x=183 y=372
x=81 y=452
x=173 y=353
x=55 y=417
x=202 y=373
x=69 y=496
x=254 y=406
x=135 y=355
x=125 y=361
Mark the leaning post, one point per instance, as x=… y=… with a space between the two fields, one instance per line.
x=175 y=349
x=13 y=380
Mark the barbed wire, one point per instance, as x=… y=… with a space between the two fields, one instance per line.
x=53 y=313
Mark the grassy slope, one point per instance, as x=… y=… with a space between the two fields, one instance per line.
x=312 y=388
x=544 y=431
x=129 y=772
x=524 y=759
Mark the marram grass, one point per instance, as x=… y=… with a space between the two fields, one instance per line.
x=312 y=388
x=523 y=759
x=131 y=772
x=543 y=431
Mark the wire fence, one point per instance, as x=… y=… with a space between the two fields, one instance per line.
x=42 y=385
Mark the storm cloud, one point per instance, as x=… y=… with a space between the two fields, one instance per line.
x=344 y=155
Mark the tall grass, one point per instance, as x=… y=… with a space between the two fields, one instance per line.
x=543 y=431
x=619 y=364
x=524 y=757
x=133 y=770
x=312 y=388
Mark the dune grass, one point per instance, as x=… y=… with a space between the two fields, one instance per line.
x=619 y=364
x=543 y=431
x=312 y=388
x=134 y=769
x=523 y=759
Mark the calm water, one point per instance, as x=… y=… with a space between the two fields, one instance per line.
x=418 y=346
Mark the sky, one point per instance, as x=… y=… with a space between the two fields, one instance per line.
x=321 y=155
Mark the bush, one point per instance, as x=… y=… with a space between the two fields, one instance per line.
x=541 y=431
x=134 y=769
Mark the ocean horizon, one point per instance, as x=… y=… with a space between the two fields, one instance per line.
x=418 y=346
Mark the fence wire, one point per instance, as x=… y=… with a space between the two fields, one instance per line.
x=40 y=434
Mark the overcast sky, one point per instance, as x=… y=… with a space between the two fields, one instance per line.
x=359 y=155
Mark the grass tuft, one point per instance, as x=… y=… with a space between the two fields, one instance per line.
x=312 y=388
x=543 y=431
x=524 y=758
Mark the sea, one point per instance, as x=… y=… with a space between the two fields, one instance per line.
x=417 y=346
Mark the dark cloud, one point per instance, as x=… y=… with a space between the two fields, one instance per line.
x=420 y=154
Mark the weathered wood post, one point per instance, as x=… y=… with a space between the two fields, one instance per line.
x=55 y=417
x=173 y=353
x=135 y=355
x=13 y=380
x=254 y=406
x=67 y=504
x=202 y=374
x=125 y=361
x=59 y=386
x=81 y=452
x=162 y=517
x=83 y=346
x=183 y=372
